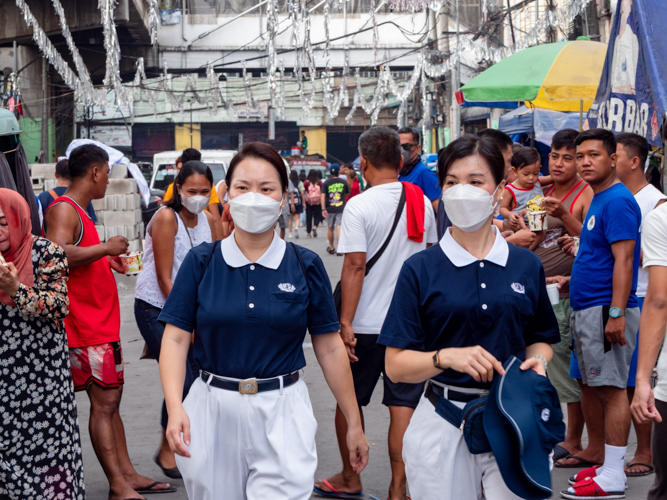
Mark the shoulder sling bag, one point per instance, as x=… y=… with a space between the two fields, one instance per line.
x=337 y=295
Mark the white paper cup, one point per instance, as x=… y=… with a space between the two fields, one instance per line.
x=536 y=220
x=3 y=261
x=576 y=245
x=133 y=263
x=554 y=293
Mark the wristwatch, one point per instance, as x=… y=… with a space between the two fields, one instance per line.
x=436 y=360
x=615 y=312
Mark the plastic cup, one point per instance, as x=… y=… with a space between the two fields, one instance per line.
x=576 y=245
x=132 y=263
x=3 y=261
x=554 y=293
x=536 y=220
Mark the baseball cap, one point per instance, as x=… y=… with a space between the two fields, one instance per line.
x=523 y=421
x=334 y=168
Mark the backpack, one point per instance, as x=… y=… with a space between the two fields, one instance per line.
x=313 y=194
x=297 y=197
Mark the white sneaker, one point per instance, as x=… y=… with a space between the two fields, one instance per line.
x=291 y=235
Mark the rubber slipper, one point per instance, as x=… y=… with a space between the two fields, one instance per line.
x=650 y=470
x=334 y=493
x=331 y=250
x=560 y=452
x=582 y=463
x=148 y=491
x=588 y=489
x=170 y=473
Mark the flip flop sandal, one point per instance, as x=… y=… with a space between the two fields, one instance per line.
x=650 y=470
x=560 y=452
x=334 y=493
x=588 y=489
x=148 y=491
x=582 y=463
x=331 y=251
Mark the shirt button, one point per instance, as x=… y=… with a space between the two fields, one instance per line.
x=484 y=306
x=252 y=268
x=252 y=287
x=481 y=264
x=251 y=305
x=483 y=285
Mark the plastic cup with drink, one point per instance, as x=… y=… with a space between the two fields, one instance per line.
x=132 y=263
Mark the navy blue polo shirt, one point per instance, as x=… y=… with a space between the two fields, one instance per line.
x=249 y=319
x=445 y=297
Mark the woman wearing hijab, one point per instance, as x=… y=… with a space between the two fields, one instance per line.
x=40 y=449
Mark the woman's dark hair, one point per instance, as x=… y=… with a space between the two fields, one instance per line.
x=262 y=151
x=313 y=176
x=302 y=175
x=189 y=168
x=294 y=177
x=471 y=145
x=525 y=157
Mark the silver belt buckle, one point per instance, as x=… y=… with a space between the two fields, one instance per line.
x=248 y=386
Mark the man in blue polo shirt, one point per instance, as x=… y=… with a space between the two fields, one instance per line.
x=414 y=170
x=606 y=312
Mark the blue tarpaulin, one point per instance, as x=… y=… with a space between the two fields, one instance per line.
x=543 y=122
x=632 y=95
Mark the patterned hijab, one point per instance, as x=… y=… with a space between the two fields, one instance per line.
x=17 y=213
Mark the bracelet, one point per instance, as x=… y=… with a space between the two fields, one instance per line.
x=543 y=359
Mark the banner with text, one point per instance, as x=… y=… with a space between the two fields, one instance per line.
x=632 y=96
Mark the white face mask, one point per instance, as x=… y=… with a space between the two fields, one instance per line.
x=468 y=207
x=195 y=204
x=254 y=213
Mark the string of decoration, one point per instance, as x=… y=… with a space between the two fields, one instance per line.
x=124 y=96
x=153 y=19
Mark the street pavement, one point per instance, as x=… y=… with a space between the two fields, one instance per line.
x=142 y=399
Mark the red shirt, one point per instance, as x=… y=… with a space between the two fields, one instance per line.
x=355 y=189
x=94 y=309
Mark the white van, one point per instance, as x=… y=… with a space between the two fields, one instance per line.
x=164 y=166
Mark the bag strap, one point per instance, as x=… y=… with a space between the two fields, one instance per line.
x=53 y=194
x=397 y=217
x=216 y=245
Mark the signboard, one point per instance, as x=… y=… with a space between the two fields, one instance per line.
x=116 y=136
x=262 y=110
x=632 y=95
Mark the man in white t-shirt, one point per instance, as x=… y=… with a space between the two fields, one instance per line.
x=632 y=151
x=647 y=404
x=367 y=222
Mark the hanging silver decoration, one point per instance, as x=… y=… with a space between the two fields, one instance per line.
x=251 y=103
x=124 y=95
x=271 y=27
x=280 y=98
x=47 y=48
x=153 y=20
x=87 y=93
x=308 y=102
x=375 y=31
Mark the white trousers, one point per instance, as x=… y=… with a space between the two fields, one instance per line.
x=249 y=446
x=439 y=466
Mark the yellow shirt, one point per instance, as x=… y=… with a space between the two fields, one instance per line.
x=169 y=193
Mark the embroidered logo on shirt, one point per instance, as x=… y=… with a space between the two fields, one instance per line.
x=518 y=288
x=591 y=223
x=546 y=414
x=287 y=287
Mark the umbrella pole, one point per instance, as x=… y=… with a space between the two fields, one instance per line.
x=581 y=115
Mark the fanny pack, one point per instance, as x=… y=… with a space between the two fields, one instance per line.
x=469 y=419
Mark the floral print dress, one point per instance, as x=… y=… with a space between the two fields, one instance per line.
x=40 y=447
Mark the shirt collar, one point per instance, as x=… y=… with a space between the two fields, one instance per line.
x=271 y=259
x=460 y=257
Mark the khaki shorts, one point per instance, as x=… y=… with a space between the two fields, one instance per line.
x=559 y=368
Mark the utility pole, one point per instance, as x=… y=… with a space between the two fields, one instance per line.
x=456 y=81
x=537 y=17
x=443 y=48
x=45 y=118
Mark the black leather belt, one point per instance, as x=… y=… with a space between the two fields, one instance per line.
x=434 y=392
x=251 y=385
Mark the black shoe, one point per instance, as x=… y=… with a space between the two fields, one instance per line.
x=170 y=473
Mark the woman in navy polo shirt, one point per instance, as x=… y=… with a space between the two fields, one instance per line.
x=246 y=429
x=461 y=308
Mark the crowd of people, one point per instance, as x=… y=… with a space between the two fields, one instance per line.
x=443 y=287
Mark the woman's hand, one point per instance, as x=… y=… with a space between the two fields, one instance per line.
x=475 y=361
x=358 y=446
x=9 y=279
x=179 y=423
x=535 y=364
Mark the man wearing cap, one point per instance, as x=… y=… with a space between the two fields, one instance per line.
x=606 y=312
x=334 y=193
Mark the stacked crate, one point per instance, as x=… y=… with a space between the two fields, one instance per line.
x=118 y=213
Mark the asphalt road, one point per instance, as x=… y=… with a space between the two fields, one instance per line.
x=142 y=397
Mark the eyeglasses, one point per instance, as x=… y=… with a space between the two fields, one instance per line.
x=408 y=147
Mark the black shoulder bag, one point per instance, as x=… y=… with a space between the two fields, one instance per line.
x=337 y=294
